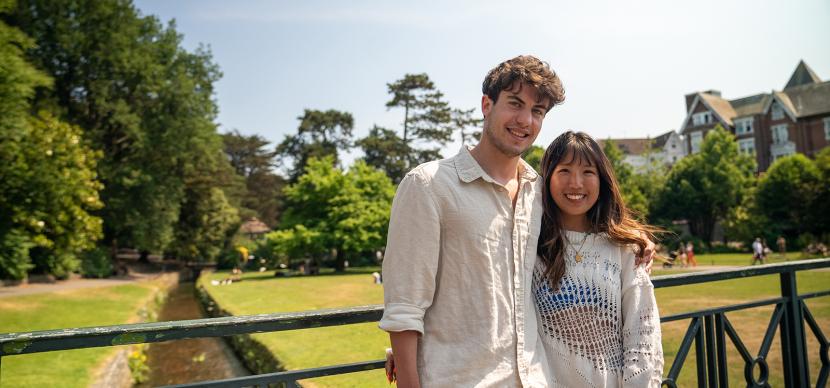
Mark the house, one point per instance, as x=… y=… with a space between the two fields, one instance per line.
x=254 y=228
x=639 y=153
x=769 y=125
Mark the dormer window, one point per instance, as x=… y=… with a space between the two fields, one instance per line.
x=743 y=126
x=777 y=111
x=779 y=133
x=701 y=118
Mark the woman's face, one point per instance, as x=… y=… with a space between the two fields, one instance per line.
x=574 y=187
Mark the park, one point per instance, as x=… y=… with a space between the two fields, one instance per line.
x=169 y=217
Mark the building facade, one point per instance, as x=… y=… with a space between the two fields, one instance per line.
x=640 y=153
x=768 y=125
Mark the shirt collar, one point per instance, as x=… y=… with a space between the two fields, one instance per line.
x=469 y=170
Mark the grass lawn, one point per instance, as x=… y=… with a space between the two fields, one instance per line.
x=742 y=259
x=261 y=293
x=73 y=308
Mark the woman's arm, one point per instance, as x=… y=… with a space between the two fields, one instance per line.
x=641 y=335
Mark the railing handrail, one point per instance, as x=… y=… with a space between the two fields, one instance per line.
x=89 y=337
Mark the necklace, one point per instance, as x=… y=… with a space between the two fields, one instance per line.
x=578 y=256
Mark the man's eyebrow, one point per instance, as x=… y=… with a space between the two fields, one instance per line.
x=515 y=97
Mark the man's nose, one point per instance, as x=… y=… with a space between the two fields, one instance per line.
x=524 y=117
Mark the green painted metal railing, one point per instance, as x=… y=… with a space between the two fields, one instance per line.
x=708 y=330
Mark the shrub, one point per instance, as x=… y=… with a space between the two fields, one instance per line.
x=96 y=263
x=14 y=255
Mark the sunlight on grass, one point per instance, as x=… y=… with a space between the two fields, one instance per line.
x=75 y=308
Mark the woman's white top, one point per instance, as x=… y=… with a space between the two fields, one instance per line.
x=600 y=327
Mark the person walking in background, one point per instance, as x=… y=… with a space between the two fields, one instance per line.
x=782 y=247
x=681 y=254
x=757 y=251
x=690 y=254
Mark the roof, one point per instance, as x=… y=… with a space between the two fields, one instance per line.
x=803 y=75
x=254 y=226
x=809 y=99
x=660 y=141
x=721 y=107
x=805 y=95
x=752 y=105
x=639 y=146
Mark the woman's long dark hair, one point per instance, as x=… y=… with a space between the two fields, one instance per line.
x=609 y=215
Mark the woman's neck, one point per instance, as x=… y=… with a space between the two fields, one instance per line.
x=576 y=223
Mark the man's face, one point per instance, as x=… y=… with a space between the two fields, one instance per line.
x=512 y=123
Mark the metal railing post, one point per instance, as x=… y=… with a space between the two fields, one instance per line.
x=793 y=341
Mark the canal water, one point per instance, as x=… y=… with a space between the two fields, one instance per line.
x=192 y=360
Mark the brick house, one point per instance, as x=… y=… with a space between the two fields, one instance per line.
x=770 y=125
x=666 y=149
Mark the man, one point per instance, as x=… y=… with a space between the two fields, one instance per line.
x=462 y=245
x=757 y=251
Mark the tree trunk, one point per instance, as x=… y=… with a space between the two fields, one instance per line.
x=340 y=261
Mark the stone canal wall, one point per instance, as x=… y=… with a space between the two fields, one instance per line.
x=115 y=372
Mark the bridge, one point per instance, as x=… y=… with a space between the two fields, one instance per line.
x=708 y=331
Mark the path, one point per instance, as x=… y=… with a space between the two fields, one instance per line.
x=73 y=284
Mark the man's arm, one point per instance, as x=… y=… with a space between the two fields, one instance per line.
x=409 y=272
x=647 y=256
x=405 y=353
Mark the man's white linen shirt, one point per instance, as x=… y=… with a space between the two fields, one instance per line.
x=458 y=268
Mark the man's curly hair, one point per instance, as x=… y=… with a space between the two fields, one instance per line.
x=524 y=69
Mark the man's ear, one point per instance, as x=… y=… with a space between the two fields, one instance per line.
x=486 y=105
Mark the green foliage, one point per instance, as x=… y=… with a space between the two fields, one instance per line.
x=384 y=150
x=261 y=195
x=140 y=98
x=705 y=187
x=320 y=134
x=787 y=195
x=628 y=181
x=427 y=116
x=49 y=192
x=329 y=209
x=96 y=263
x=533 y=157
x=463 y=119
x=14 y=254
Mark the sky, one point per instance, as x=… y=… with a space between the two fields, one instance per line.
x=625 y=65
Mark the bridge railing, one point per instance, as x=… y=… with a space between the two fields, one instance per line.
x=707 y=331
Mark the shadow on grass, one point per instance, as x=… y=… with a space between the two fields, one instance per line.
x=269 y=275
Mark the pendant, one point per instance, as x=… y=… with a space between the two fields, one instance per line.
x=578 y=257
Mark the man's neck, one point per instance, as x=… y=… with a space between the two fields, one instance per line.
x=496 y=164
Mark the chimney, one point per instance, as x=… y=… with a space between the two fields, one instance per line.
x=713 y=92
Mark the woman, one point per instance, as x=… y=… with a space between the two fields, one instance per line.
x=598 y=318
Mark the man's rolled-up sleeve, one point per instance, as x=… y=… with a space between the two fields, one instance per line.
x=411 y=260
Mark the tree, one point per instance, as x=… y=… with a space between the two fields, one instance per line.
x=627 y=179
x=821 y=208
x=48 y=187
x=332 y=210
x=262 y=195
x=139 y=97
x=787 y=194
x=426 y=115
x=384 y=150
x=533 y=157
x=463 y=119
x=320 y=133
x=703 y=188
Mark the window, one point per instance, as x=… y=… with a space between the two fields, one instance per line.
x=779 y=133
x=696 y=138
x=777 y=111
x=701 y=118
x=827 y=128
x=743 y=126
x=747 y=145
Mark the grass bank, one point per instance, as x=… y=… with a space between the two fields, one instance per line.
x=63 y=309
x=260 y=293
